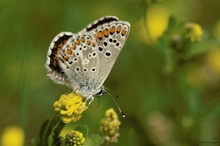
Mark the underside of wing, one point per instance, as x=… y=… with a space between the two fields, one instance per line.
x=110 y=38
x=79 y=59
x=83 y=61
x=54 y=71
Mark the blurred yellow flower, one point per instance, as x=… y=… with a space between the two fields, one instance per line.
x=70 y=107
x=12 y=136
x=193 y=32
x=110 y=126
x=74 y=138
x=213 y=60
x=157 y=18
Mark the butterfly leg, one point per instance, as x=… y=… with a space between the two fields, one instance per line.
x=89 y=100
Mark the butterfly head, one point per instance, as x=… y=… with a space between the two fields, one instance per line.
x=101 y=92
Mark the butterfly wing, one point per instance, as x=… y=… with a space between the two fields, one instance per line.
x=110 y=38
x=84 y=60
x=54 y=71
x=79 y=61
x=110 y=35
x=101 y=21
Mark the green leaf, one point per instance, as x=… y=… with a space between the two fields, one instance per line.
x=50 y=130
x=42 y=130
x=50 y=139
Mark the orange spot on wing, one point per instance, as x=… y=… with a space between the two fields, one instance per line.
x=88 y=42
x=112 y=30
x=73 y=47
x=77 y=42
x=83 y=39
x=106 y=32
x=54 y=63
x=60 y=45
x=100 y=35
x=118 y=29
x=57 y=51
x=93 y=44
x=69 y=51
x=123 y=32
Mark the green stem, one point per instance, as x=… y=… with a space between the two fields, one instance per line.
x=54 y=126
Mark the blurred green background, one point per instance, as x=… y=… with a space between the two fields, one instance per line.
x=169 y=98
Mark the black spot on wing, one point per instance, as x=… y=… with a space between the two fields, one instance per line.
x=101 y=22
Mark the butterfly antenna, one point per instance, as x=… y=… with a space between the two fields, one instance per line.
x=123 y=115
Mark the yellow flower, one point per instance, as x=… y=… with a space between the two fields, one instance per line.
x=74 y=138
x=70 y=107
x=110 y=126
x=12 y=136
x=157 y=19
x=193 y=32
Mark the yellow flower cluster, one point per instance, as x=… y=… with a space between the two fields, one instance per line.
x=70 y=107
x=74 y=138
x=193 y=32
x=110 y=126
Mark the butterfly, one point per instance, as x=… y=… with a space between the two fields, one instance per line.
x=83 y=61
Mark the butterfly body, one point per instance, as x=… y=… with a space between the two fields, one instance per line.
x=83 y=61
